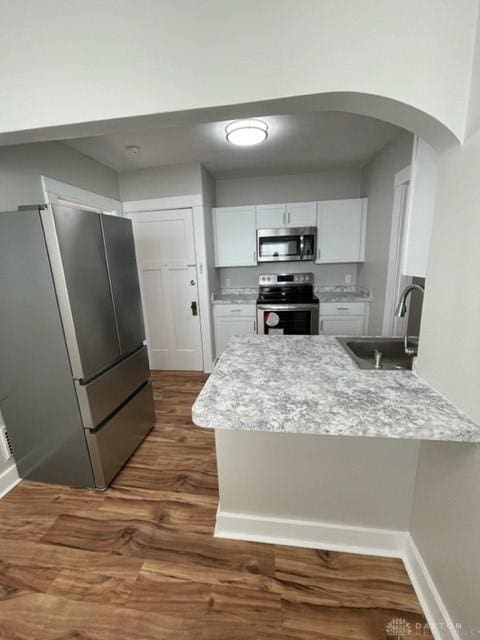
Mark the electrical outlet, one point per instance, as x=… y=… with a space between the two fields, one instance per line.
x=348 y=279
x=6 y=450
x=228 y=283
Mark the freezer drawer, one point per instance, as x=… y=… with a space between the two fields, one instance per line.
x=111 y=445
x=100 y=397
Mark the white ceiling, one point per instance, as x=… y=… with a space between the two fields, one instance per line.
x=297 y=143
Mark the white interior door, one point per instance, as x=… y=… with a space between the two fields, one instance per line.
x=165 y=249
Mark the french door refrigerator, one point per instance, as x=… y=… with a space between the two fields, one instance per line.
x=74 y=376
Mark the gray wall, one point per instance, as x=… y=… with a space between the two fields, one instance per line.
x=324 y=273
x=378 y=186
x=288 y=188
x=21 y=167
x=161 y=182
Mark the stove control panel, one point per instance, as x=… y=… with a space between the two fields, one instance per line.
x=285 y=278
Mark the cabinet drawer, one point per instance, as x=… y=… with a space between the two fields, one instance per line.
x=342 y=308
x=234 y=310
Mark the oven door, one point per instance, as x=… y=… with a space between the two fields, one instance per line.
x=287 y=319
x=280 y=245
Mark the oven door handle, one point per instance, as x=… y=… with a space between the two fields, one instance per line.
x=288 y=307
x=302 y=246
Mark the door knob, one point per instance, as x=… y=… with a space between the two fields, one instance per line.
x=193 y=307
x=192 y=282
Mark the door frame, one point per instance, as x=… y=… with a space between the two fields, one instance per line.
x=57 y=192
x=199 y=211
x=401 y=200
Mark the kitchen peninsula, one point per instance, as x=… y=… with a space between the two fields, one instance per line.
x=329 y=447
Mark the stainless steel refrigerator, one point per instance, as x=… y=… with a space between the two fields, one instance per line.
x=74 y=376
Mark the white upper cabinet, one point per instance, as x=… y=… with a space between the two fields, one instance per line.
x=341 y=230
x=271 y=216
x=293 y=214
x=420 y=209
x=235 y=236
x=302 y=214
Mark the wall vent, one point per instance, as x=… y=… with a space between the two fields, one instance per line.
x=6 y=449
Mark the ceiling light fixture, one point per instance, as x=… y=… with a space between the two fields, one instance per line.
x=246 y=132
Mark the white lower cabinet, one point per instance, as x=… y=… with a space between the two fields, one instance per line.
x=344 y=319
x=233 y=320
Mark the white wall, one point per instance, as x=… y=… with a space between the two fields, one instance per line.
x=86 y=64
x=329 y=185
x=21 y=167
x=161 y=182
x=378 y=185
x=366 y=482
x=445 y=521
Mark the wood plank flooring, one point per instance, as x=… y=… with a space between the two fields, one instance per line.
x=139 y=561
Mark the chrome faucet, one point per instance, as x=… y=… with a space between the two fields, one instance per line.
x=401 y=310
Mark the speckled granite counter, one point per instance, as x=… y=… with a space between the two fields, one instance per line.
x=235 y=296
x=343 y=293
x=326 y=293
x=308 y=384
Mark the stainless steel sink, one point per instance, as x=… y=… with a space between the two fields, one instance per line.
x=379 y=353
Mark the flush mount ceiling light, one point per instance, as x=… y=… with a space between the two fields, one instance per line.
x=246 y=133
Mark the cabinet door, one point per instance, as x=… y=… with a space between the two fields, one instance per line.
x=302 y=214
x=271 y=216
x=342 y=325
x=226 y=328
x=235 y=237
x=341 y=230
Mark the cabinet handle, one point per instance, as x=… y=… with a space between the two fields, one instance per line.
x=342 y=308
x=321 y=326
x=193 y=307
x=288 y=218
x=254 y=256
x=319 y=253
x=254 y=326
x=235 y=310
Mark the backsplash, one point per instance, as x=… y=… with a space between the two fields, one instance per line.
x=325 y=274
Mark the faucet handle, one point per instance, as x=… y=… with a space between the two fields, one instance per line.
x=409 y=351
x=378 y=355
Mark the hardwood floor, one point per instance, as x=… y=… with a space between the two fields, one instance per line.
x=139 y=561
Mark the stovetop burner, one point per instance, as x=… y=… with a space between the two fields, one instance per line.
x=286 y=288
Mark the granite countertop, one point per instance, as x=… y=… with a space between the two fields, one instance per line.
x=326 y=293
x=308 y=384
x=239 y=295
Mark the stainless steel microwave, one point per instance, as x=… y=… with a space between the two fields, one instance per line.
x=280 y=245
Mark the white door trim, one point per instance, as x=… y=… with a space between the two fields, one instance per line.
x=194 y=202
x=395 y=253
x=9 y=477
x=56 y=192
x=157 y=204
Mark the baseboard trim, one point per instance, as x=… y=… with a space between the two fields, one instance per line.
x=434 y=609
x=9 y=478
x=350 y=539
x=310 y=534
